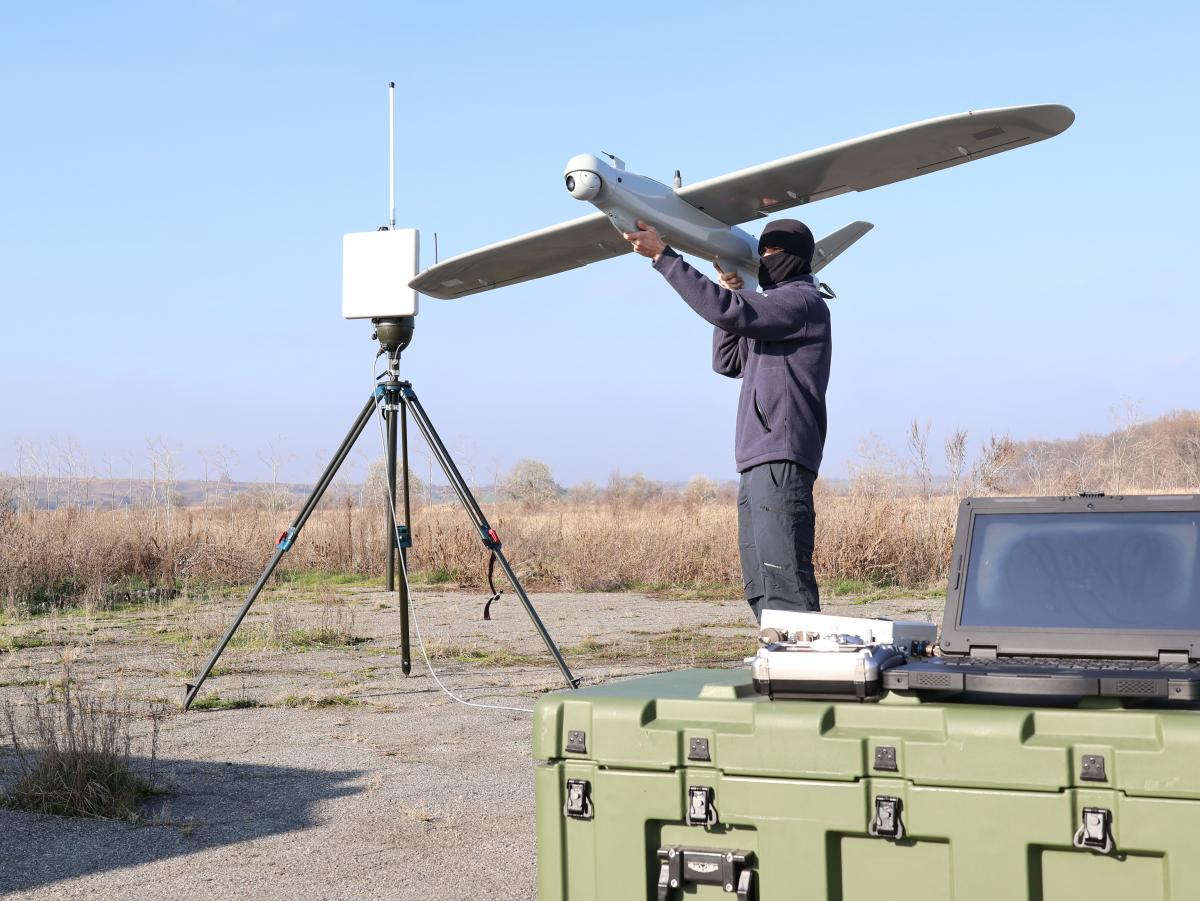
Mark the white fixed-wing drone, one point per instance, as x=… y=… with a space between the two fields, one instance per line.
x=702 y=219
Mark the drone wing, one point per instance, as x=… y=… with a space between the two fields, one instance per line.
x=869 y=162
x=558 y=248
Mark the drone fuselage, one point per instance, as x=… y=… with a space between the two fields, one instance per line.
x=625 y=197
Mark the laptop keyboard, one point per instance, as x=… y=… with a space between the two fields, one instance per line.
x=1073 y=663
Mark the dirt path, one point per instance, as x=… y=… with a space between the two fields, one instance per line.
x=371 y=784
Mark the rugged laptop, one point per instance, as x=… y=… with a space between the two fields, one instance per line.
x=1069 y=597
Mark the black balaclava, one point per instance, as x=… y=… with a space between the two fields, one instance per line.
x=795 y=256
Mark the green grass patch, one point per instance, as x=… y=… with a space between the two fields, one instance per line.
x=308 y=638
x=216 y=702
x=844 y=587
x=683 y=591
x=274 y=632
x=22 y=642
x=24 y=683
x=49 y=597
x=308 y=702
x=858 y=591
x=594 y=646
x=497 y=657
x=434 y=576
x=318 y=578
x=677 y=646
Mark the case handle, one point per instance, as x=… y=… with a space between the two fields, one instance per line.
x=732 y=870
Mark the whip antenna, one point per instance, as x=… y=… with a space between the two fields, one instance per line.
x=392 y=154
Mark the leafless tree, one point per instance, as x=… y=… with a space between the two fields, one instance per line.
x=374 y=492
x=585 y=492
x=275 y=459
x=164 y=471
x=26 y=492
x=918 y=450
x=701 y=490
x=530 y=480
x=1120 y=443
x=956 y=461
x=131 y=499
x=112 y=481
x=990 y=472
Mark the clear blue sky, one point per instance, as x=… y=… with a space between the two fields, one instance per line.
x=175 y=180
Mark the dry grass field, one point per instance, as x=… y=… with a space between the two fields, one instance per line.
x=98 y=558
x=890 y=526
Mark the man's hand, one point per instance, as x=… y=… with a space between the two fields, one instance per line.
x=730 y=280
x=646 y=241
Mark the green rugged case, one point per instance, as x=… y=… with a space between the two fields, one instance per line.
x=990 y=797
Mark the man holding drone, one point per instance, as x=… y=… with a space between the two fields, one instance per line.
x=779 y=344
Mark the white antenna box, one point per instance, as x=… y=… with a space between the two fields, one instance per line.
x=376 y=269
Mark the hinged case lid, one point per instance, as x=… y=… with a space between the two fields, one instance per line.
x=1086 y=576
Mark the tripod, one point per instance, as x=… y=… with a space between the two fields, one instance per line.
x=396 y=401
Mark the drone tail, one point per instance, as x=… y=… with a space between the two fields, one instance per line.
x=832 y=245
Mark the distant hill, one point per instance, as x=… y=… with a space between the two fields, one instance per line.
x=96 y=492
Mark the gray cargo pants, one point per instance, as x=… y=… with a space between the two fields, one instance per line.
x=776 y=523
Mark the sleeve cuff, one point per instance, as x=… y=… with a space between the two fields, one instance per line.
x=665 y=259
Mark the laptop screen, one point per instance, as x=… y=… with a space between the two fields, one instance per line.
x=1095 y=570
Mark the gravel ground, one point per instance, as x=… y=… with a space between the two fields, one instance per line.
x=402 y=794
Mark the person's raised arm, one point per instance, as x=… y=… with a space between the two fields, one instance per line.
x=748 y=314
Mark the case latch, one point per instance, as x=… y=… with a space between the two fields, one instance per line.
x=579 y=799
x=1096 y=832
x=732 y=870
x=701 y=811
x=887 y=822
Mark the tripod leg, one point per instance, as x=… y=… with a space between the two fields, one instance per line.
x=490 y=539
x=390 y=415
x=405 y=648
x=286 y=540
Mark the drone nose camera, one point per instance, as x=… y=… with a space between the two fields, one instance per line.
x=583 y=185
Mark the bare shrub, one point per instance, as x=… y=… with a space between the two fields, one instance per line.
x=531 y=481
x=375 y=487
x=992 y=471
x=76 y=753
x=633 y=491
x=701 y=490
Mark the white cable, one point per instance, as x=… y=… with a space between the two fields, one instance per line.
x=408 y=590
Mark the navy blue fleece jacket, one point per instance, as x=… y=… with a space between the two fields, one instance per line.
x=779 y=344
